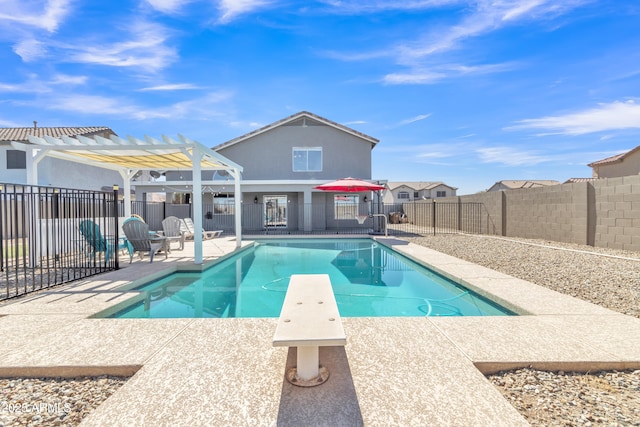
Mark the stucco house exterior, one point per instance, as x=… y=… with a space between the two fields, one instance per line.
x=282 y=163
x=624 y=164
x=51 y=171
x=513 y=184
x=402 y=192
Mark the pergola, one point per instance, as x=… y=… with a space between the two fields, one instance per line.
x=132 y=155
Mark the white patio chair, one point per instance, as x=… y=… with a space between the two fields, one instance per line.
x=190 y=230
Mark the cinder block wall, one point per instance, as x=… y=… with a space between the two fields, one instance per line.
x=617 y=213
x=558 y=213
x=602 y=213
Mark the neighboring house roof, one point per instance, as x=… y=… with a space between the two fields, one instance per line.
x=417 y=185
x=307 y=119
x=22 y=134
x=613 y=159
x=521 y=183
x=576 y=180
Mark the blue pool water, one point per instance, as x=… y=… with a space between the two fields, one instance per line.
x=368 y=279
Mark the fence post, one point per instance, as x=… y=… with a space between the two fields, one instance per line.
x=434 y=216
x=1 y=231
x=116 y=227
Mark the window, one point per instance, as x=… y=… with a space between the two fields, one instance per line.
x=224 y=205
x=441 y=194
x=16 y=159
x=345 y=207
x=403 y=195
x=416 y=195
x=307 y=159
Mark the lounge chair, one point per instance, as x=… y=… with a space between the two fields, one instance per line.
x=171 y=230
x=142 y=241
x=97 y=242
x=189 y=230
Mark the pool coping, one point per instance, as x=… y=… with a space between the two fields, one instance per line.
x=392 y=370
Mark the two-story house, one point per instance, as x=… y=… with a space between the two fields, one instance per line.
x=282 y=163
x=51 y=171
x=402 y=192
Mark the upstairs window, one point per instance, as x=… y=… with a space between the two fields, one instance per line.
x=403 y=195
x=16 y=159
x=441 y=194
x=416 y=195
x=307 y=159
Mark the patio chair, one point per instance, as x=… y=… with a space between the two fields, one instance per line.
x=142 y=241
x=98 y=243
x=171 y=226
x=189 y=230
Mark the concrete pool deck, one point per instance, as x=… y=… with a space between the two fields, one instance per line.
x=393 y=371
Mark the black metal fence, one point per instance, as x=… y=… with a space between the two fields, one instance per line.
x=50 y=236
x=408 y=219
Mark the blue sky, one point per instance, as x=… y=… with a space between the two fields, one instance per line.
x=465 y=92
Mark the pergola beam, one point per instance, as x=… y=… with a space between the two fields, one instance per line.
x=128 y=156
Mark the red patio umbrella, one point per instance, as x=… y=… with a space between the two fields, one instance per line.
x=349 y=185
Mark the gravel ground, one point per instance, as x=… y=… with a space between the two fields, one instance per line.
x=52 y=401
x=601 y=276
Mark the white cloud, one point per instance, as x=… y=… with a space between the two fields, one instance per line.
x=377 y=6
x=169 y=87
x=230 y=9
x=197 y=109
x=10 y=124
x=43 y=14
x=29 y=49
x=146 y=49
x=64 y=79
x=413 y=77
x=167 y=6
x=34 y=84
x=487 y=16
x=414 y=119
x=510 y=156
x=444 y=71
x=606 y=117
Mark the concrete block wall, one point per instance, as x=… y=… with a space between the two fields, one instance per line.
x=617 y=212
x=492 y=210
x=557 y=213
x=602 y=213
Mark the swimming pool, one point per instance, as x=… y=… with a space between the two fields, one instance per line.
x=368 y=279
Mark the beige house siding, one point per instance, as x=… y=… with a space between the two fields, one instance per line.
x=626 y=166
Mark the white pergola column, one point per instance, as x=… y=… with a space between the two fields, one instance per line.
x=196 y=158
x=238 y=206
x=33 y=158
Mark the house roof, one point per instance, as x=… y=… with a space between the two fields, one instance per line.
x=22 y=134
x=303 y=118
x=576 y=180
x=614 y=159
x=417 y=185
x=522 y=183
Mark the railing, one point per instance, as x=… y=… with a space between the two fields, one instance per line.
x=41 y=242
x=420 y=218
x=42 y=245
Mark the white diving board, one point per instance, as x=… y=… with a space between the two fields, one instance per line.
x=309 y=319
